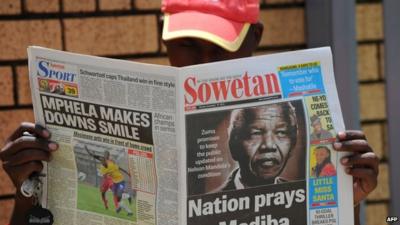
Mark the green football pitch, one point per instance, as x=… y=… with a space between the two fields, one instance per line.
x=89 y=199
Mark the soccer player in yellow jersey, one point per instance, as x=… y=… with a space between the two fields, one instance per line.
x=106 y=182
x=112 y=179
x=111 y=169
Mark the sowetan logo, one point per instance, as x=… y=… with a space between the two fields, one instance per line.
x=55 y=71
x=221 y=90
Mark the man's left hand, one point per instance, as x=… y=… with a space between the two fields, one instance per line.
x=363 y=164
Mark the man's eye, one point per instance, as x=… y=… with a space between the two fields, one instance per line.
x=281 y=133
x=255 y=132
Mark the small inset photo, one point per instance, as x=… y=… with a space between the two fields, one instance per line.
x=319 y=130
x=323 y=161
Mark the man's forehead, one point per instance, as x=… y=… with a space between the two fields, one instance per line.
x=192 y=41
x=268 y=112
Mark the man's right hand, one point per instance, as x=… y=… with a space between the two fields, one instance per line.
x=22 y=155
x=24 y=150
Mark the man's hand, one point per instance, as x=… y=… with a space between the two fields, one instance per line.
x=362 y=164
x=22 y=155
x=24 y=150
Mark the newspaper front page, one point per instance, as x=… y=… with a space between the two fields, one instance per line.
x=115 y=122
x=259 y=134
x=240 y=142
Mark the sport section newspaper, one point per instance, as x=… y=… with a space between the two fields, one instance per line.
x=115 y=122
x=240 y=142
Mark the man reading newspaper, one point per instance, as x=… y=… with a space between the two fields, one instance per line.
x=195 y=31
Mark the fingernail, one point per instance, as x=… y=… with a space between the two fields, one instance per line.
x=46 y=133
x=341 y=134
x=53 y=146
x=345 y=160
x=347 y=170
x=337 y=145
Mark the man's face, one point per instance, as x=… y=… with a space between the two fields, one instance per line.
x=107 y=155
x=193 y=51
x=321 y=155
x=266 y=143
x=317 y=127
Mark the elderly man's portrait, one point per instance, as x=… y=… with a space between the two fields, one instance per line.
x=246 y=147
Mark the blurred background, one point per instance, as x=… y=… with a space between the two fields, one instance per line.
x=365 y=55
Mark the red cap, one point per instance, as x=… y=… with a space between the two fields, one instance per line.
x=222 y=22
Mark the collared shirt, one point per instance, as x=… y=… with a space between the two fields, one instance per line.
x=237 y=180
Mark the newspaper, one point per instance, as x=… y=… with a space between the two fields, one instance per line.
x=238 y=142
